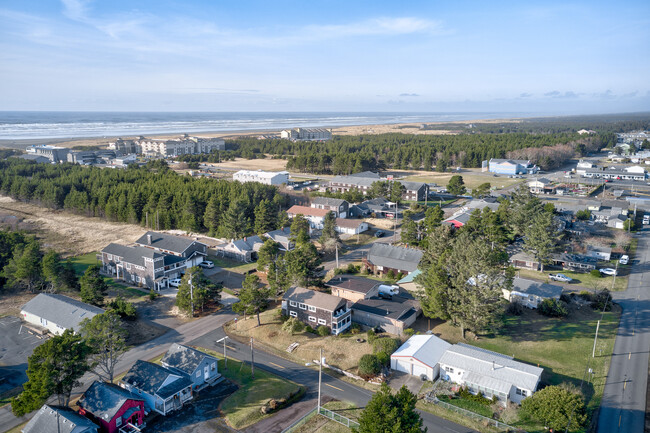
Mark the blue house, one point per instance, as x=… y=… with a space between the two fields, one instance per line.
x=511 y=166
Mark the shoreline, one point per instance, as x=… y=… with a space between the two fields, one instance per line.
x=403 y=128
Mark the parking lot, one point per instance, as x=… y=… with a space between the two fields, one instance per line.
x=16 y=345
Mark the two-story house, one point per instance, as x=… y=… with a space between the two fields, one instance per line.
x=198 y=366
x=339 y=206
x=112 y=407
x=189 y=249
x=317 y=308
x=316 y=217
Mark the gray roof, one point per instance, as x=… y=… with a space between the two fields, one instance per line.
x=425 y=348
x=366 y=178
x=249 y=243
x=281 y=236
x=398 y=308
x=541 y=180
x=485 y=364
x=185 y=359
x=61 y=310
x=595 y=248
x=530 y=287
x=511 y=161
x=328 y=201
x=411 y=186
x=164 y=241
x=104 y=400
x=321 y=300
x=32 y=157
x=352 y=283
x=149 y=378
x=389 y=256
x=134 y=255
x=69 y=421
x=483 y=203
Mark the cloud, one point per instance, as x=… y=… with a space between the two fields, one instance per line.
x=553 y=94
x=76 y=10
x=525 y=95
x=630 y=95
x=607 y=94
x=376 y=26
x=408 y=94
x=559 y=95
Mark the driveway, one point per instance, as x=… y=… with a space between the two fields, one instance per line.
x=399 y=378
x=16 y=345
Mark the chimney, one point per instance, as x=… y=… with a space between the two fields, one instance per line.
x=244 y=238
x=149 y=239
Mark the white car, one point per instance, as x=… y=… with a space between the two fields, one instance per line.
x=206 y=264
x=176 y=282
x=560 y=277
x=646 y=219
x=608 y=271
x=624 y=259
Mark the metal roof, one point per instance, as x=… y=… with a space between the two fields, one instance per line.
x=537 y=288
x=425 y=348
x=185 y=359
x=61 y=310
x=321 y=300
x=389 y=256
x=52 y=419
x=104 y=400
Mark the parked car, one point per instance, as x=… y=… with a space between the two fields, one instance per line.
x=206 y=264
x=646 y=219
x=624 y=259
x=608 y=271
x=176 y=282
x=379 y=234
x=560 y=277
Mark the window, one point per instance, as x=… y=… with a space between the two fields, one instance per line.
x=522 y=392
x=312 y=319
x=302 y=306
x=449 y=369
x=109 y=257
x=322 y=322
x=137 y=279
x=118 y=422
x=132 y=277
x=312 y=308
x=292 y=303
x=293 y=314
x=198 y=374
x=334 y=326
x=128 y=266
x=43 y=321
x=214 y=366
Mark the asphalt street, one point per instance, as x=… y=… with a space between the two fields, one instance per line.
x=624 y=398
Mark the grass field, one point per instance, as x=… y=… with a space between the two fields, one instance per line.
x=233 y=265
x=586 y=281
x=242 y=408
x=472 y=180
x=320 y=424
x=82 y=262
x=470 y=405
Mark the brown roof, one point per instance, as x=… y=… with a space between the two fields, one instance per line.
x=317 y=299
x=355 y=284
x=348 y=223
x=310 y=211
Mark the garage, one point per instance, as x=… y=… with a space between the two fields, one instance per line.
x=401 y=365
x=419 y=370
x=419 y=355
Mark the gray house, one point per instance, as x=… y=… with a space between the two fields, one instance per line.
x=339 y=206
x=392 y=315
x=317 y=308
x=531 y=293
x=189 y=249
x=199 y=367
x=57 y=313
x=383 y=257
x=162 y=389
x=52 y=419
x=283 y=237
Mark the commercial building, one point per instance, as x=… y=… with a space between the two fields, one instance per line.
x=185 y=145
x=56 y=313
x=306 y=134
x=53 y=153
x=265 y=177
x=512 y=166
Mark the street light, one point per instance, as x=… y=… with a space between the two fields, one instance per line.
x=225 y=358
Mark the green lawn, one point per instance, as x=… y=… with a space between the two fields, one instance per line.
x=242 y=408
x=585 y=280
x=470 y=405
x=320 y=424
x=233 y=265
x=82 y=262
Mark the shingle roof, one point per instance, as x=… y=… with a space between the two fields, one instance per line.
x=149 y=377
x=281 y=236
x=307 y=211
x=250 y=243
x=183 y=358
x=366 y=178
x=352 y=283
x=398 y=308
x=411 y=186
x=52 y=419
x=425 y=348
x=487 y=364
x=312 y=297
x=404 y=259
x=134 y=255
x=61 y=310
x=537 y=288
x=461 y=218
x=328 y=201
x=165 y=241
x=349 y=223
x=104 y=400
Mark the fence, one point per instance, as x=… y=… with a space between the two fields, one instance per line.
x=300 y=422
x=489 y=421
x=338 y=418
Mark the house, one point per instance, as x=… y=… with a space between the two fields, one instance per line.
x=383 y=258
x=603 y=215
x=613 y=174
x=531 y=293
x=189 y=249
x=111 y=407
x=351 y=226
x=481 y=203
x=316 y=217
x=317 y=308
x=353 y=288
x=198 y=366
x=489 y=372
x=458 y=220
x=379 y=206
x=392 y=315
x=419 y=356
x=574 y=262
x=616 y=222
x=511 y=166
x=162 y=389
x=53 y=419
x=56 y=313
x=265 y=177
x=141 y=266
x=408 y=282
x=525 y=260
x=636 y=169
x=414 y=191
x=283 y=237
x=541 y=186
x=339 y=206
x=361 y=181
x=583 y=166
x=245 y=249
x=600 y=253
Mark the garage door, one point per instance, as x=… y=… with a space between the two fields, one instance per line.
x=419 y=370
x=402 y=365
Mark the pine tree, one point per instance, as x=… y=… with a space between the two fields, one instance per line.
x=211 y=215
x=330 y=238
x=106 y=337
x=52 y=270
x=265 y=217
x=253 y=299
x=235 y=224
x=24 y=269
x=387 y=413
x=93 y=286
x=456 y=185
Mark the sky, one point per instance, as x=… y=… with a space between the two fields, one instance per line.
x=546 y=57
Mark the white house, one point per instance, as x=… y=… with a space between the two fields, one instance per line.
x=419 y=356
x=583 y=166
x=244 y=249
x=635 y=169
x=601 y=253
x=57 y=313
x=531 y=293
x=489 y=372
x=351 y=226
x=313 y=215
x=265 y=177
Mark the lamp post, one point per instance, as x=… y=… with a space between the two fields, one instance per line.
x=225 y=358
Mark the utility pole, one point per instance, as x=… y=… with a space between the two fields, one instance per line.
x=252 y=361
x=593 y=352
x=615 y=272
x=191 y=296
x=337 y=256
x=225 y=358
x=320 y=375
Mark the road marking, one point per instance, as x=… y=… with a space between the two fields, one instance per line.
x=629 y=356
x=279 y=366
x=624 y=384
x=332 y=386
x=619 y=421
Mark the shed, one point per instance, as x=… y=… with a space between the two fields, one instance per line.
x=57 y=313
x=419 y=356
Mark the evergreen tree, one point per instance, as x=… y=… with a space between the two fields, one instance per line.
x=303 y=265
x=541 y=237
x=482 y=190
x=24 y=269
x=390 y=413
x=253 y=299
x=271 y=260
x=235 y=223
x=106 y=337
x=265 y=217
x=456 y=185
x=433 y=217
x=558 y=407
x=93 y=286
x=299 y=229
x=330 y=238
x=52 y=271
x=211 y=215
x=395 y=191
x=69 y=276
x=195 y=291
x=409 y=234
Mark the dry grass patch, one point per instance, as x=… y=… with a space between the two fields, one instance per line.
x=253 y=164
x=343 y=352
x=472 y=180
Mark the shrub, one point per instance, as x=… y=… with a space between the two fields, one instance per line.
x=554 y=406
x=586 y=295
x=355 y=328
x=595 y=273
x=323 y=330
x=565 y=297
x=514 y=308
x=371 y=336
x=383 y=358
x=293 y=325
x=338 y=271
x=409 y=332
x=352 y=269
x=390 y=275
x=479 y=398
x=123 y=308
x=553 y=308
x=369 y=366
x=386 y=345
x=152 y=295
x=309 y=329
x=583 y=215
x=602 y=300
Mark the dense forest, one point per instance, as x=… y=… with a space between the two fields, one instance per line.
x=151 y=195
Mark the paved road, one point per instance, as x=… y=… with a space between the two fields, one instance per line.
x=308 y=377
x=624 y=398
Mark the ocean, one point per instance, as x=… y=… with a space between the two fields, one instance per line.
x=18 y=125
